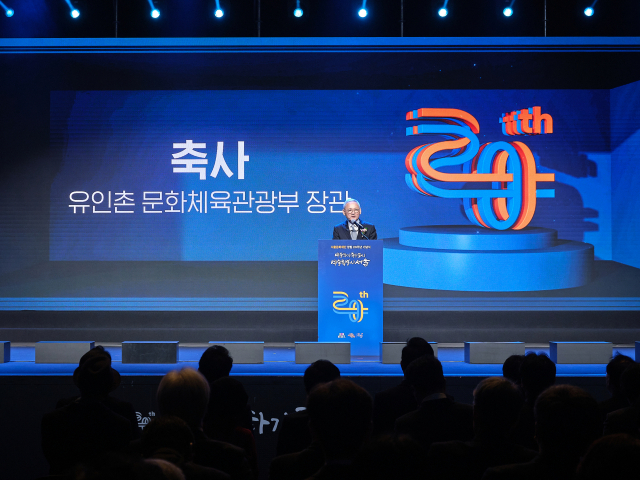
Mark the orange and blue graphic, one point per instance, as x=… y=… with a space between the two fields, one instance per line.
x=507 y=168
x=354 y=308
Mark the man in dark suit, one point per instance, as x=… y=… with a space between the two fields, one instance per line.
x=438 y=418
x=353 y=228
x=496 y=406
x=567 y=422
x=294 y=433
x=627 y=420
x=397 y=401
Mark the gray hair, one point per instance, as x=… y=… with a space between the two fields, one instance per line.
x=348 y=200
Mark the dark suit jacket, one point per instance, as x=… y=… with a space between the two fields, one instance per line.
x=221 y=456
x=469 y=460
x=625 y=420
x=294 y=433
x=341 y=231
x=540 y=468
x=438 y=421
x=297 y=466
x=80 y=431
x=390 y=405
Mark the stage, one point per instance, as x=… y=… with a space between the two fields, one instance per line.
x=279 y=361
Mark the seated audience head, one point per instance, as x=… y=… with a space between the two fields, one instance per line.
x=425 y=375
x=215 y=363
x=537 y=373
x=320 y=371
x=496 y=407
x=389 y=457
x=167 y=437
x=94 y=375
x=168 y=471
x=567 y=421
x=630 y=382
x=415 y=348
x=111 y=466
x=227 y=401
x=511 y=368
x=613 y=456
x=615 y=367
x=185 y=394
x=340 y=417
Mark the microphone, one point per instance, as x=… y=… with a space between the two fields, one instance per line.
x=361 y=227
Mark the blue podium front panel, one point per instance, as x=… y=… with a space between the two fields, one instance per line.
x=350 y=294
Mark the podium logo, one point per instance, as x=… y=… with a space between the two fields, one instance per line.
x=354 y=308
x=502 y=175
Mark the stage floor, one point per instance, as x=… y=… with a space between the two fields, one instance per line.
x=279 y=360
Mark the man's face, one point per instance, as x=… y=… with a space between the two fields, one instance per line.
x=351 y=211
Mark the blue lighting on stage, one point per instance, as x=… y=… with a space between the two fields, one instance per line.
x=155 y=13
x=507 y=12
x=362 y=12
x=588 y=11
x=443 y=12
x=297 y=12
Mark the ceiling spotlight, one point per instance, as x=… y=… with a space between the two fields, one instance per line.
x=443 y=12
x=588 y=11
x=155 y=13
x=362 y=12
x=73 y=11
x=7 y=11
x=507 y=12
x=298 y=12
x=219 y=13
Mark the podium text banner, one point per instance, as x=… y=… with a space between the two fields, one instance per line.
x=350 y=294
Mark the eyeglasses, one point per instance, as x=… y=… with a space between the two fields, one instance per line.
x=353 y=210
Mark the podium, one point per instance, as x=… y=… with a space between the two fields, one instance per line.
x=350 y=294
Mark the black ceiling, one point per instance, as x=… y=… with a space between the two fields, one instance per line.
x=322 y=18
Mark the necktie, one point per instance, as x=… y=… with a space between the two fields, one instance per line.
x=353 y=230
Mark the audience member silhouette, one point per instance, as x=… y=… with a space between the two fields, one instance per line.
x=496 y=405
x=627 y=420
x=511 y=368
x=537 y=373
x=567 y=422
x=618 y=400
x=216 y=363
x=87 y=426
x=111 y=466
x=389 y=457
x=185 y=394
x=227 y=407
x=120 y=407
x=340 y=415
x=295 y=432
x=438 y=418
x=169 y=438
x=294 y=435
x=391 y=404
x=613 y=456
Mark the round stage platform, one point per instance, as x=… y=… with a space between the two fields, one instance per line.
x=468 y=258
